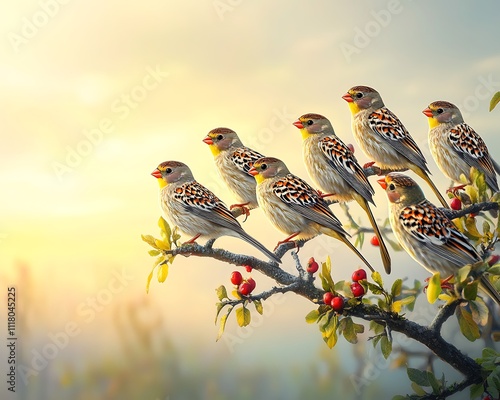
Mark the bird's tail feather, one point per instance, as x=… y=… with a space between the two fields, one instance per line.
x=489 y=289
x=259 y=246
x=342 y=238
x=386 y=258
x=425 y=176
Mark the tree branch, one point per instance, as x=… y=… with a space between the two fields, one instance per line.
x=472 y=209
x=445 y=313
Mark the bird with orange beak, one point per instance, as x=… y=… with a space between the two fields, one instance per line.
x=233 y=161
x=195 y=209
x=382 y=137
x=456 y=147
x=426 y=233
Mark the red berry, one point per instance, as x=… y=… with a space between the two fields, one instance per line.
x=358 y=275
x=357 y=290
x=374 y=241
x=327 y=297
x=245 y=289
x=252 y=284
x=248 y=268
x=337 y=303
x=456 y=204
x=236 y=278
x=351 y=147
x=493 y=260
x=312 y=266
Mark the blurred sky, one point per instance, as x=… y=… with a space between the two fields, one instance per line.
x=94 y=95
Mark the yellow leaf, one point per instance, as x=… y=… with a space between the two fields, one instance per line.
x=162 y=244
x=494 y=101
x=150 y=276
x=222 y=325
x=164 y=228
x=243 y=316
x=149 y=240
x=434 y=288
x=396 y=306
x=162 y=272
x=236 y=295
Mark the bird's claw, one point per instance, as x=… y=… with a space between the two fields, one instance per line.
x=244 y=210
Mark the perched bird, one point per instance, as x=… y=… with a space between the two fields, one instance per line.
x=195 y=209
x=425 y=232
x=333 y=168
x=383 y=137
x=233 y=161
x=293 y=206
x=456 y=147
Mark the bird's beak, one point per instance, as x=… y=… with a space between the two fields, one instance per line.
x=347 y=97
x=156 y=173
x=208 y=140
x=298 y=124
x=382 y=183
x=427 y=112
x=252 y=171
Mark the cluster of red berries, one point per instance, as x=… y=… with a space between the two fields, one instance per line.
x=337 y=302
x=245 y=286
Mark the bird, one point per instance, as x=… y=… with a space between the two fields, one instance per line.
x=293 y=206
x=456 y=147
x=233 y=161
x=333 y=168
x=195 y=209
x=424 y=231
x=382 y=136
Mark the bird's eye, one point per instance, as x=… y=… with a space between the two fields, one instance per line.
x=263 y=167
x=439 y=110
x=220 y=137
x=309 y=122
x=359 y=95
x=168 y=170
x=392 y=186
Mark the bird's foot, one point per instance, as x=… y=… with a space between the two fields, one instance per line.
x=455 y=189
x=323 y=195
x=244 y=210
x=288 y=239
x=193 y=239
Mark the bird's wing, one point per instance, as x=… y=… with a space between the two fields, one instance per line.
x=200 y=201
x=387 y=125
x=243 y=158
x=303 y=199
x=426 y=223
x=341 y=158
x=471 y=148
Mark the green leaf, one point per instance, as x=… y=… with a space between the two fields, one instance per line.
x=476 y=390
x=376 y=327
x=470 y=290
x=486 y=227
x=349 y=331
x=397 y=286
x=149 y=240
x=326 y=275
x=154 y=253
x=375 y=289
x=417 y=376
x=436 y=386
x=219 y=307
x=386 y=346
x=480 y=311
x=494 y=101
x=258 y=306
x=243 y=316
x=463 y=273
x=312 y=316
x=221 y=292
x=467 y=325
x=399 y=397
x=222 y=324
x=417 y=389
x=162 y=272
x=377 y=278
x=434 y=288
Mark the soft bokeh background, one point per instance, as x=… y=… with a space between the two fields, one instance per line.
x=95 y=94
